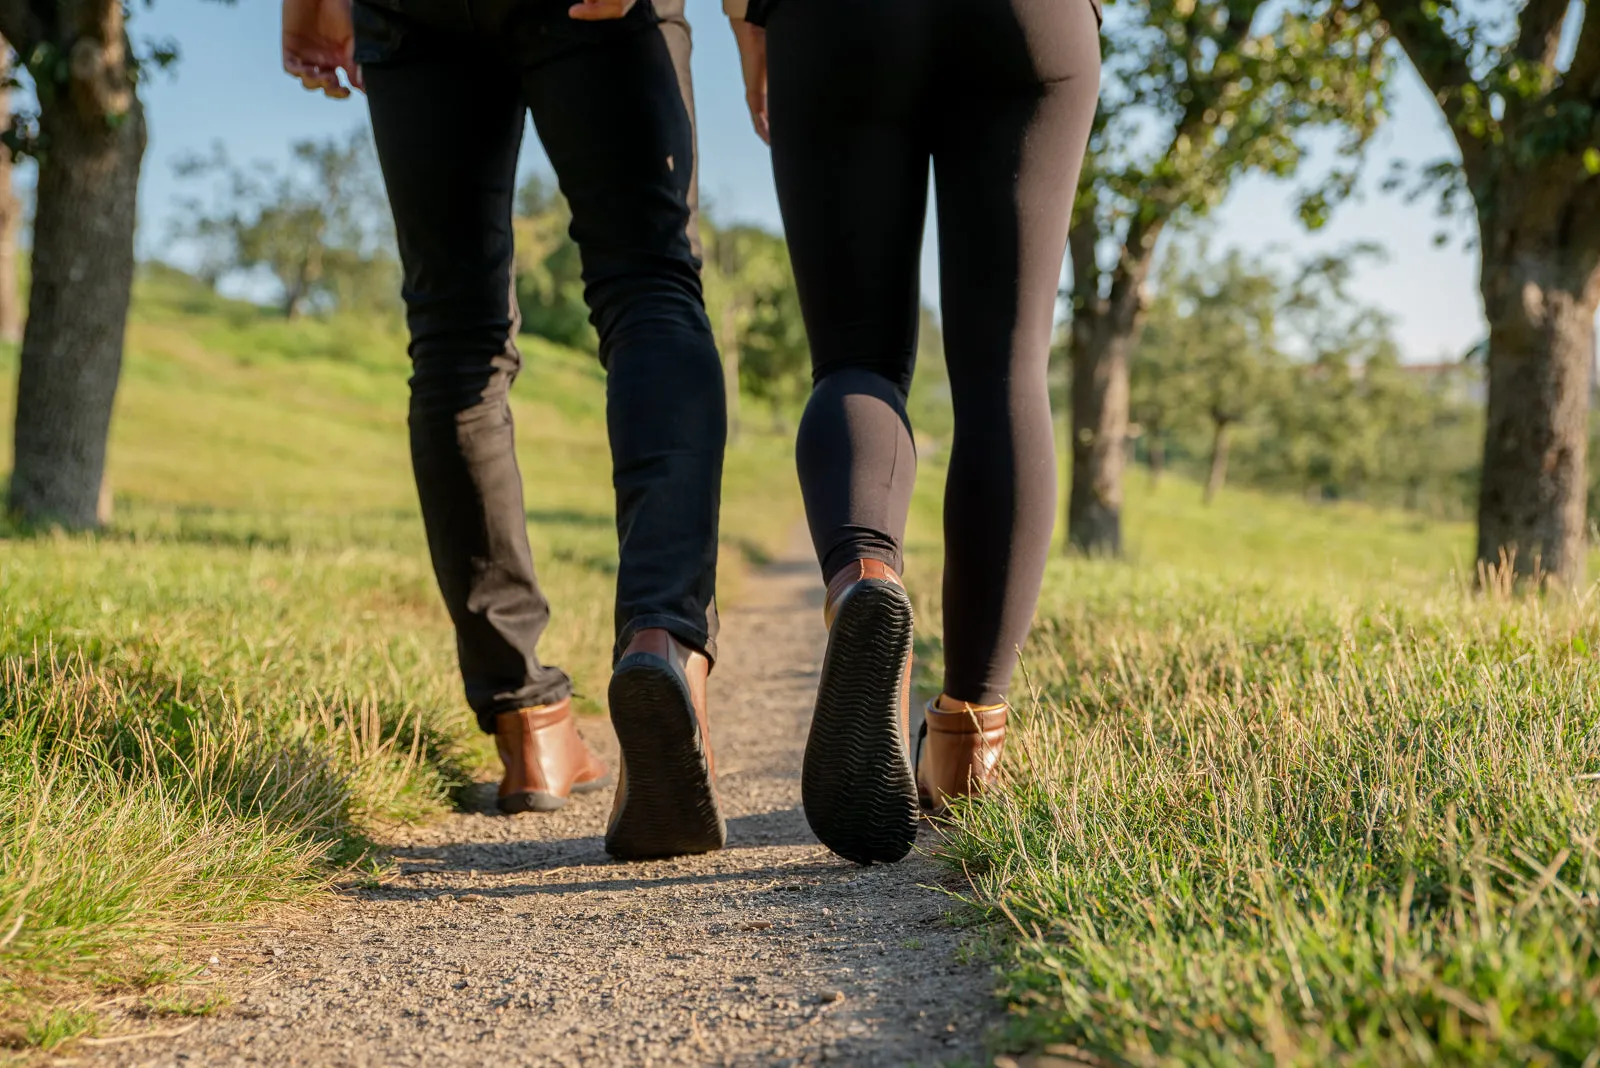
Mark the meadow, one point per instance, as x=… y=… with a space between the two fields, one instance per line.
x=1285 y=789
x=1288 y=791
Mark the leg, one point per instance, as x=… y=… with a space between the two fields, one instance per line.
x=617 y=128
x=1007 y=165
x=851 y=161
x=618 y=134
x=453 y=219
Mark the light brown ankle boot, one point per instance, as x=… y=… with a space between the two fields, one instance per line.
x=544 y=758
x=958 y=751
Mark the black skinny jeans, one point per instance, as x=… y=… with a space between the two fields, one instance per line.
x=448 y=84
x=999 y=95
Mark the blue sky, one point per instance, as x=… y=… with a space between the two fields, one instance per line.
x=228 y=87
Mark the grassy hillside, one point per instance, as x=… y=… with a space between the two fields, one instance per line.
x=204 y=707
x=1283 y=791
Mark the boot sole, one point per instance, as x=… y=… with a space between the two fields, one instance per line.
x=543 y=801
x=669 y=808
x=859 y=794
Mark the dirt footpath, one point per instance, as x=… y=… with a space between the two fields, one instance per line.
x=517 y=941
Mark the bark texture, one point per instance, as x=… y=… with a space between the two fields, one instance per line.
x=1221 y=442
x=1541 y=307
x=1538 y=208
x=93 y=126
x=1105 y=330
x=1099 y=438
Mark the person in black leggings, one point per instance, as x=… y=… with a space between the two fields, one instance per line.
x=856 y=98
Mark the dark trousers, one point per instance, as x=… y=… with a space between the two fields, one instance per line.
x=999 y=95
x=448 y=85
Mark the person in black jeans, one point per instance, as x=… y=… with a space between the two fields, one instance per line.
x=857 y=97
x=448 y=84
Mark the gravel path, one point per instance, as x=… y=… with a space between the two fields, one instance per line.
x=517 y=941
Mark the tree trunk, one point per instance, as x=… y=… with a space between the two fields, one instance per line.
x=10 y=225
x=1413 y=495
x=730 y=365
x=1221 y=442
x=1099 y=434
x=83 y=263
x=1531 y=505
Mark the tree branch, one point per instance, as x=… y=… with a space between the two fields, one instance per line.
x=18 y=25
x=1082 y=240
x=1441 y=62
x=1133 y=267
x=1539 y=33
x=1582 y=78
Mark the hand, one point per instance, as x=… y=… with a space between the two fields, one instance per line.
x=599 y=10
x=318 y=40
x=753 y=61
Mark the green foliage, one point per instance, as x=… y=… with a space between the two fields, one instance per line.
x=1210 y=354
x=549 y=268
x=1516 y=99
x=753 y=304
x=319 y=228
x=1305 y=379
x=49 y=1028
x=1198 y=93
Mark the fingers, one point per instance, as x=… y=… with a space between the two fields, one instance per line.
x=315 y=77
x=599 y=10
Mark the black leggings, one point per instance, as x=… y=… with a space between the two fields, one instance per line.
x=999 y=95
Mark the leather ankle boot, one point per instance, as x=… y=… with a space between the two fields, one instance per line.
x=666 y=804
x=856 y=781
x=958 y=751
x=545 y=760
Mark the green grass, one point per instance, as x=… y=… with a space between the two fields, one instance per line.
x=207 y=709
x=1283 y=789
x=1286 y=792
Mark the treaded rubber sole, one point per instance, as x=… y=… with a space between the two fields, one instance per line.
x=856 y=783
x=669 y=803
x=544 y=801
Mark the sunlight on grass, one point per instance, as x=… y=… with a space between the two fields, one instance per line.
x=1287 y=792
x=206 y=709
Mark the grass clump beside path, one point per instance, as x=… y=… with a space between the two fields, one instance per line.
x=1288 y=793
x=206 y=709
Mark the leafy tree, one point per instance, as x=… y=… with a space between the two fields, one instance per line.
x=755 y=309
x=1159 y=388
x=1525 y=113
x=1213 y=329
x=1197 y=93
x=89 y=138
x=320 y=227
x=549 y=269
